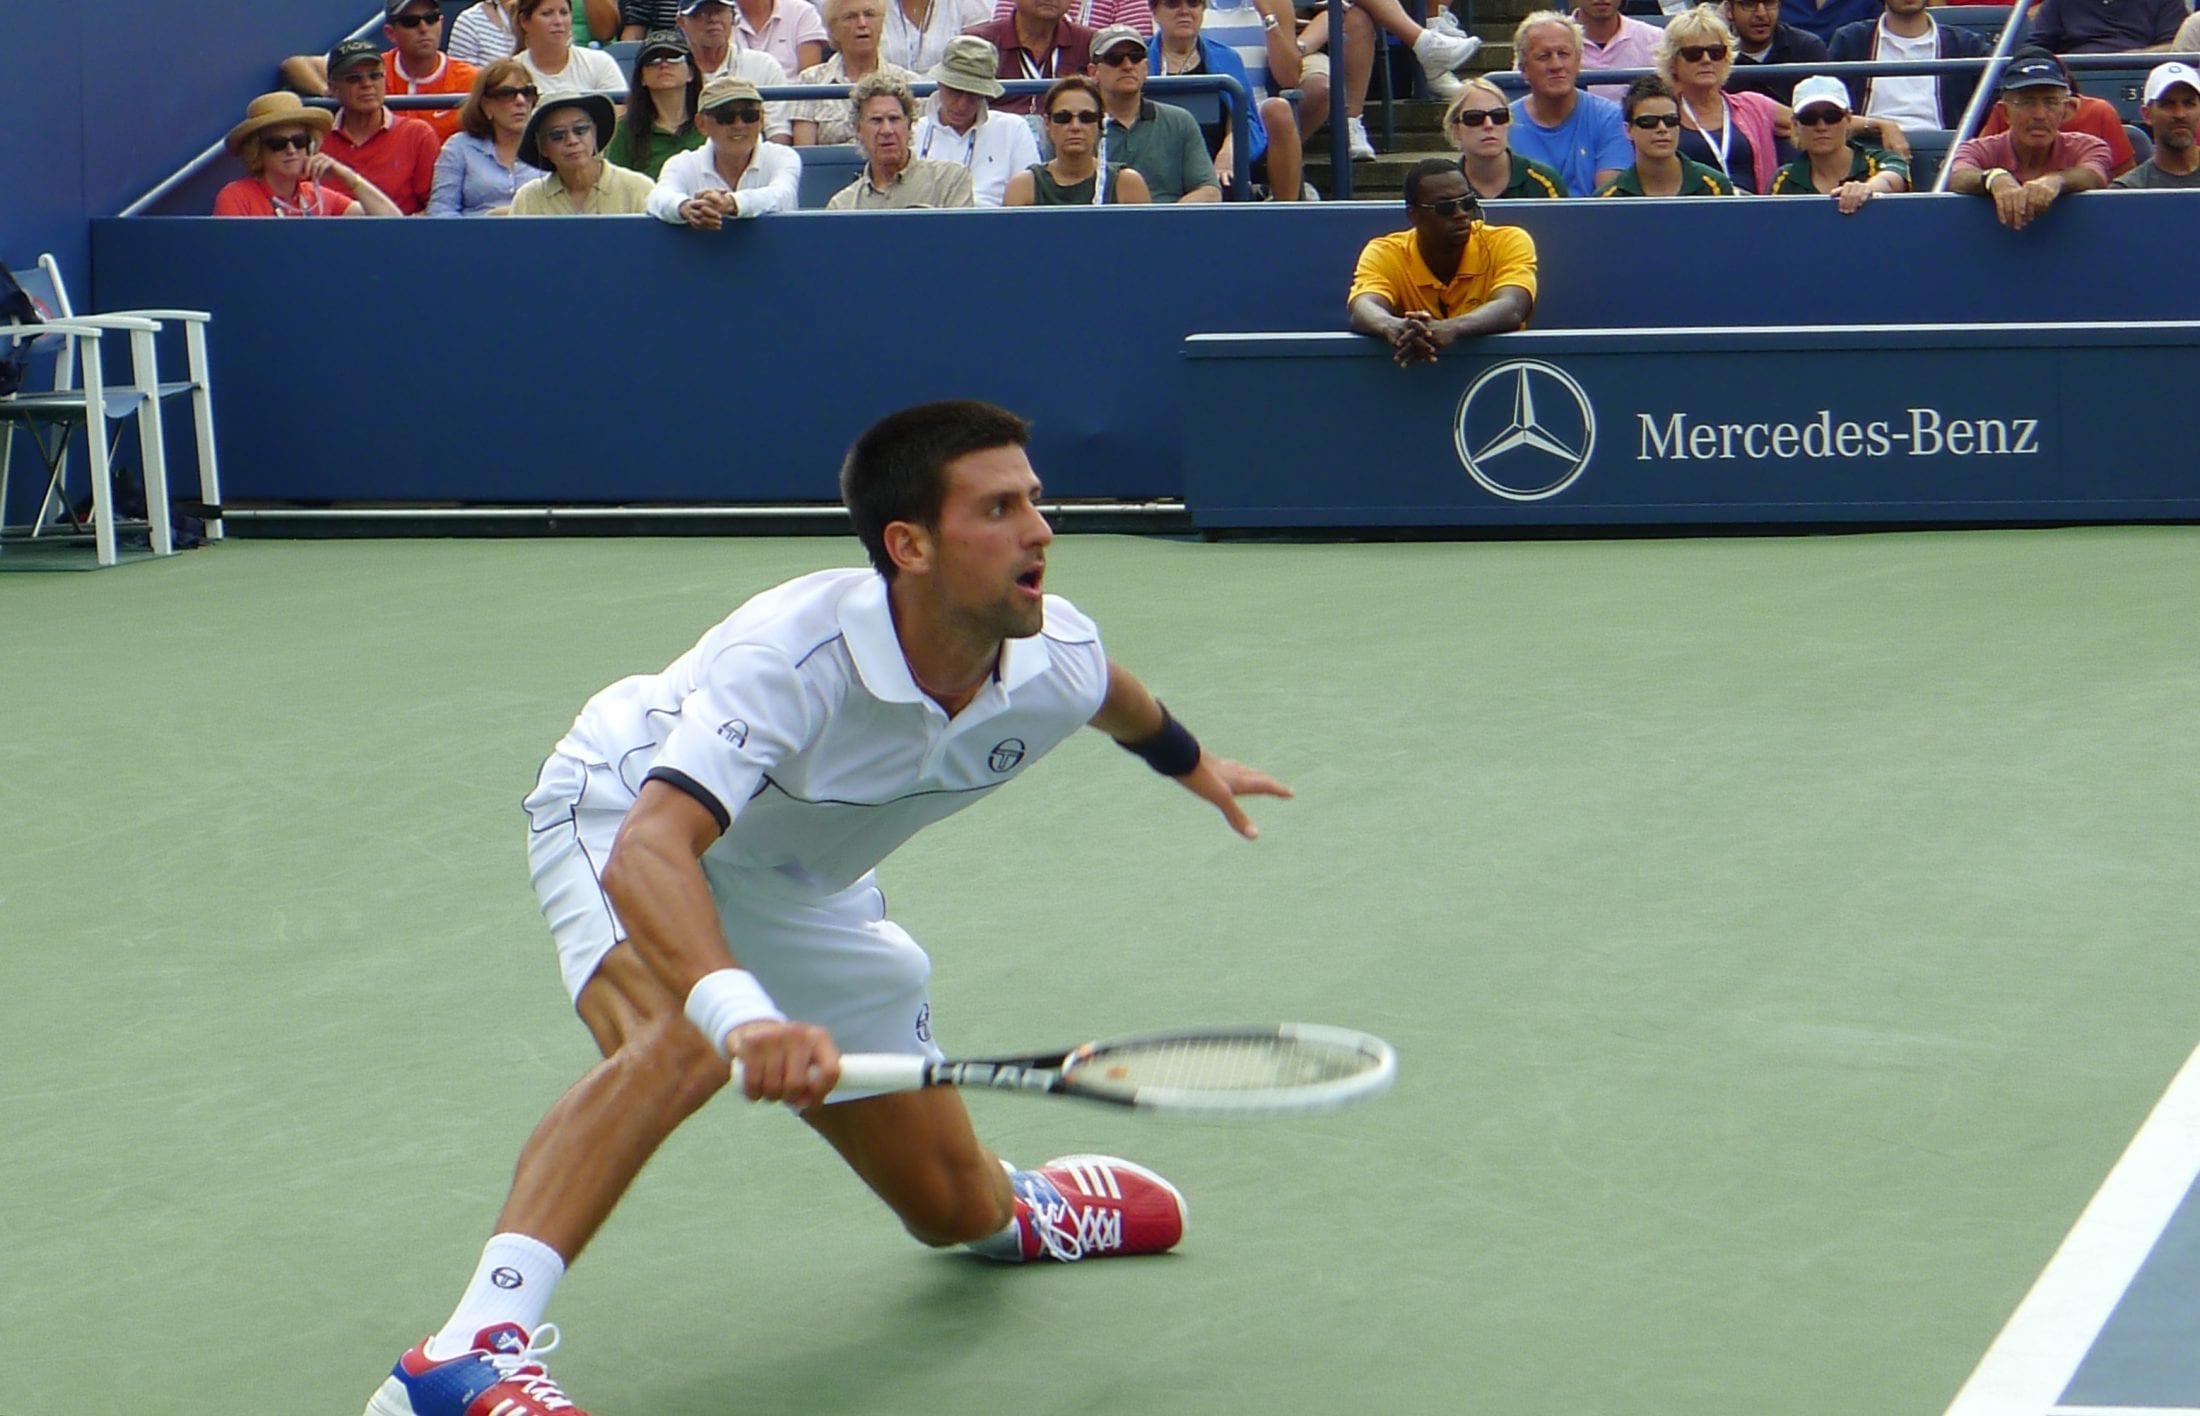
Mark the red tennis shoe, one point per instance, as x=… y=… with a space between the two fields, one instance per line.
x=502 y=1376
x=1096 y=1206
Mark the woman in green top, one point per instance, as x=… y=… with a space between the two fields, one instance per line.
x=660 y=106
x=1477 y=121
x=1832 y=165
x=1073 y=176
x=1653 y=114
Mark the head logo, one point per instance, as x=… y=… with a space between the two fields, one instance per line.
x=924 y=1023
x=506 y=1277
x=735 y=732
x=1524 y=430
x=1006 y=754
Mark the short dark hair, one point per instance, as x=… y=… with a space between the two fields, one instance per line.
x=1648 y=86
x=1429 y=167
x=897 y=471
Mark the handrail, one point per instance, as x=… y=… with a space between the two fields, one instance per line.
x=1512 y=82
x=1340 y=141
x=1240 y=117
x=1988 y=82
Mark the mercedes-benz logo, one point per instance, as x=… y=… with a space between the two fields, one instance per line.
x=1535 y=451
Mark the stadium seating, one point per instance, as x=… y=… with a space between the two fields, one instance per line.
x=826 y=169
x=1928 y=150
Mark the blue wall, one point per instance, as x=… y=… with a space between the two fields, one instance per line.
x=104 y=98
x=619 y=360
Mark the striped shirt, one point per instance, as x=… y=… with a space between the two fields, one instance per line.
x=480 y=36
x=835 y=117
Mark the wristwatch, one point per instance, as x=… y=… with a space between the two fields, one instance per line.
x=1986 y=183
x=1267 y=21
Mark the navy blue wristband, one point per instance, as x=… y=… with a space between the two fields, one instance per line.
x=1172 y=751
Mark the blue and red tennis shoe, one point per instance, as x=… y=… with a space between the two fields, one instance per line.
x=1096 y=1206
x=502 y=1376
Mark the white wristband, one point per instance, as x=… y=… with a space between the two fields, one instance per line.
x=724 y=1000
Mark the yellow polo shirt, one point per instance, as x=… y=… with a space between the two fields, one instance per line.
x=1391 y=266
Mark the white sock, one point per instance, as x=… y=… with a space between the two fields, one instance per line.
x=1006 y=1247
x=513 y=1285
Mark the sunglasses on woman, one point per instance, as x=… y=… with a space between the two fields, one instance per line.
x=1063 y=117
x=1697 y=53
x=1476 y=117
x=1647 y=121
x=1821 y=117
x=526 y=91
x=300 y=141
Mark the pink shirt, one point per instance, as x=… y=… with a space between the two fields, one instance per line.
x=793 y=23
x=2070 y=150
x=1635 y=46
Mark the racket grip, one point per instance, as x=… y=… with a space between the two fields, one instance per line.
x=870 y=1071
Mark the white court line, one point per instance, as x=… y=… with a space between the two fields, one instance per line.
x=2033 y=1360
x=2123 y=1411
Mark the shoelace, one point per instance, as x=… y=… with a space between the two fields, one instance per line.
x=525 y=1367
x=1068 y=1232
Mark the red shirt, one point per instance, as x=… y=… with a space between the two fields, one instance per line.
x=249 y=196
x=455 y=76
x=400 y=159
x=2096 y=116
x=2069 y=150
x=1071 y=54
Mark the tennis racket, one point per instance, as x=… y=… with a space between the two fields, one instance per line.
x=1251 y=1071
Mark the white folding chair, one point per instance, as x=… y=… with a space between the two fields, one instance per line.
x=80 y=397
x=198 y=383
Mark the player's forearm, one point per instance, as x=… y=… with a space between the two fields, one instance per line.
x=665 y=904
x=1129 y=713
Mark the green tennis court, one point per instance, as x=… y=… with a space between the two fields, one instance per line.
x=1782 y=939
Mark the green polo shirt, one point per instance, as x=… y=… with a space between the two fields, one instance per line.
x=1165 y=148
x=1697 y=180
x=649 y=158
x=1530 y=179
x=1865 y=163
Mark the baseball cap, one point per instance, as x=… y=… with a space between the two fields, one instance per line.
x=394 y=8
x=1819 y=88
x=1114 y=37
x=2032 y=68
x=971 y=65
x=663 y=42
x=689 y=7
x=2167 y=76
x=351 y=54
x=727 y=90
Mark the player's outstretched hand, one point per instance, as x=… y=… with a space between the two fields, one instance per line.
x=1222 y=781
x=796 y=1063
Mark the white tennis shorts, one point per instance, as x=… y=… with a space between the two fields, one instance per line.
x=833 y=959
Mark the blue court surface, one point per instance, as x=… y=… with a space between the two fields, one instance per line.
x=2112 y=1328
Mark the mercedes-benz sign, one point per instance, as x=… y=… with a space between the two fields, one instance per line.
x=1524 y=430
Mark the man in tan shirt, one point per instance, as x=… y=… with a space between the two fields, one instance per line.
x=893 y=178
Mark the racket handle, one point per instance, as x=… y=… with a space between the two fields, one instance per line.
x=870 y=1071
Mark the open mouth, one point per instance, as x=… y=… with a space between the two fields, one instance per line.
x=1031 y=579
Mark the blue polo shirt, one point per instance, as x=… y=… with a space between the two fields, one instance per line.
x=1593 y=139
x=1822 y=21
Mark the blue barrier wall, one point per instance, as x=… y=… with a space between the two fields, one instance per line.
x=618 y=360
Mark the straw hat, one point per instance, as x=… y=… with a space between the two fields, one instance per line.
x=276 y=110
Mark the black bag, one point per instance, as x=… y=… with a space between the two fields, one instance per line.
x=16 y=307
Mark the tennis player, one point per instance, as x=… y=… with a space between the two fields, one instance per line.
x=703 y=841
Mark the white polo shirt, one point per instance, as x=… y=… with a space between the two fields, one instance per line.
x=997 y=147
x=796 y=721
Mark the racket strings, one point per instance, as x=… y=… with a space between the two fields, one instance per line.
x=1226 y=1064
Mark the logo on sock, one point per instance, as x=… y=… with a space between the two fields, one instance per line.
x=507 y=1278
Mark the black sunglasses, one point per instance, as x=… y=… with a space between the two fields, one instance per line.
x=526 y=91
x=737 y=112
x=300 y=141
x=1476 y=117
x=1821 y=117
x=585 y=128
x=1647 y=121
x=1697 y=53
x=415 y=21
x=1124 y=55
x=1451 y=206
x=1063 y=117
